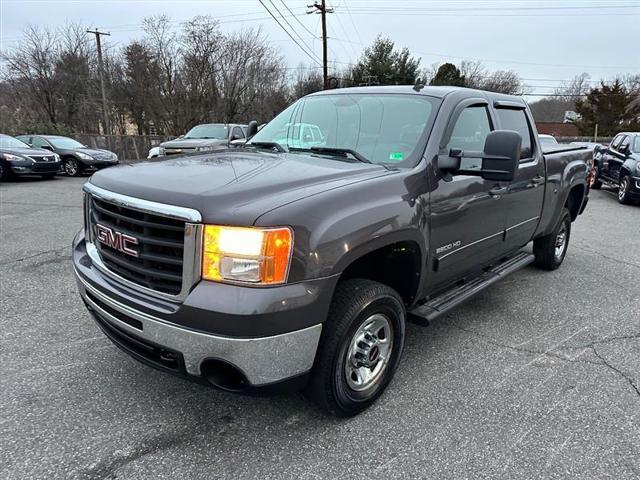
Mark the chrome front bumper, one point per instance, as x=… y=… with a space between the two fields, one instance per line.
x=263 y=360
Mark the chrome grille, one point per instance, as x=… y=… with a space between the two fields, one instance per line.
x=168 y=246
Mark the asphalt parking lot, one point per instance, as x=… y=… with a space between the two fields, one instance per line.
x=538 y=377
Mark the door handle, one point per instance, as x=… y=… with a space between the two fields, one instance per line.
x=537 y=180
x=497 y=192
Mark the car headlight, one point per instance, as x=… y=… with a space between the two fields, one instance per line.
x=13 y=158
x=252 y=255
x=160 y=151
x=84 y=156
x=114 y=157
x=56 y=157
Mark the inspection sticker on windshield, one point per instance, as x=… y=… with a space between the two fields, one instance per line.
x=396 y=156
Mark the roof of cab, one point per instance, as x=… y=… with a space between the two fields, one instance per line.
x=437 y=92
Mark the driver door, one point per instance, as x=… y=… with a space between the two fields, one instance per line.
x=467 y=212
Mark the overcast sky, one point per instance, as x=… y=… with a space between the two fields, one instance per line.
x=544 y=41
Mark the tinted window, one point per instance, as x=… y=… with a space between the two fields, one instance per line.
x=512 y=119
x=470 y=130
x=217 y=131
x=64 y=142
x=37 y=142
x=24 y=138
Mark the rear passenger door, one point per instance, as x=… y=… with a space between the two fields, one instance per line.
x=467 y=212
x=525 y=195
x=617 y=157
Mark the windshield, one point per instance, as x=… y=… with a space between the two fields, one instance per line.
x=383 y=128
x=636 y=145
x=218 y=131
x=9 y=142
x=64 y=142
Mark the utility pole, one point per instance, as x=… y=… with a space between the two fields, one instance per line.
x=322 y=9
x=105 y=110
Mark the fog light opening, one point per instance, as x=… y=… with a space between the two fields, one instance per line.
x=223 y=375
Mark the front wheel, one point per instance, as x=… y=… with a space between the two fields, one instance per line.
x=623 y=190
x=360 y=347
x=551 y=249
x=72 y=167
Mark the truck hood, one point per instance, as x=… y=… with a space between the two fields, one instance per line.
x=234 y=187
x=193 y=142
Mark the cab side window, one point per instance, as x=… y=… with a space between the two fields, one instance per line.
x=616 y=142
x=471 y=129
x=516 y=119
x=237 y=132
x=626 y=142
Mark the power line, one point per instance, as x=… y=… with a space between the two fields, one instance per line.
x=297 y=19
x=287 y=32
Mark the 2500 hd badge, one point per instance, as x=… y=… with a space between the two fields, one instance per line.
x=293 y=262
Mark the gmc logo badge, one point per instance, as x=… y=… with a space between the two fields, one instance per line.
x=117 y=240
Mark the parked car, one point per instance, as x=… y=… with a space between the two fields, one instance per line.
x=547 y=140
x=281 y=266
x=595 y=148
x=76 y=157
x=154 y=152
x=618 y=165
x=18 y=158
x=205 y=137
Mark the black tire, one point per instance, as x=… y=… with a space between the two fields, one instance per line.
x=354 y=304
x=72 y=167
x=623 y=190
x=48 y=176
x=5 y=173
x=544 y=248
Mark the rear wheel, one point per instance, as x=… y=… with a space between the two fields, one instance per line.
x=623 y=190
x=72 y=167
x=360 y=347
x=551 y=249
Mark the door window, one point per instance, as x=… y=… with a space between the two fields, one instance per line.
x=616 y=141
x=469 y=133
x=237 y=132
x=626 y=141
x=38 y=142
x=471 y=129
x=516 y=119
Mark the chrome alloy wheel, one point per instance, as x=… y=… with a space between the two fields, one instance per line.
x=71 y=167
x=561 y=241
x=369 y=352
x=622 y=189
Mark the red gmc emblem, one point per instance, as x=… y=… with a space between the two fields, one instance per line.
x=116 y=240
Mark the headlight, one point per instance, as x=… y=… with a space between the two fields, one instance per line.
x=56 y=157
x=84 y=156
x=160 y=151
x=253 y=255
x=13 y=158
x=114 y=157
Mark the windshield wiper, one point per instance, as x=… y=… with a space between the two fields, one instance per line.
x=340 y=151
x=268 y=145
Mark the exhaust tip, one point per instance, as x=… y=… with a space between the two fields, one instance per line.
x=223 y=375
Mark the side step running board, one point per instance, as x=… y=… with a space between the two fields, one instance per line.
x=444 y=302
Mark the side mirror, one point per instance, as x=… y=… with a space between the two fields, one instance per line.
x=47 y=147
x=500 y=157
x=238 y=142
x=252 y=128
x=624 y=149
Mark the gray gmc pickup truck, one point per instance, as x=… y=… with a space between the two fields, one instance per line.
x=295 y=264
